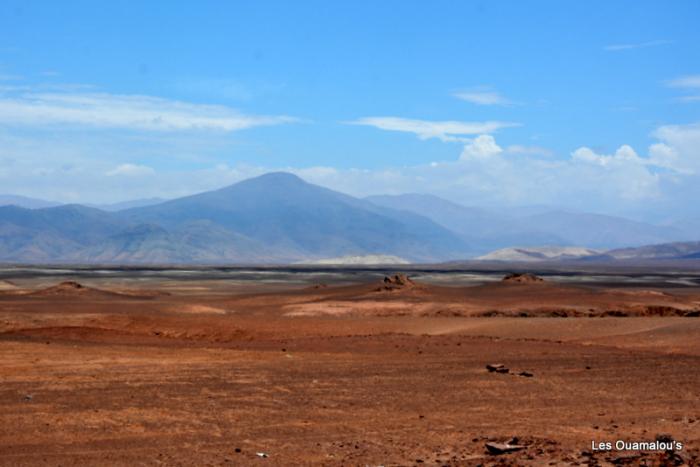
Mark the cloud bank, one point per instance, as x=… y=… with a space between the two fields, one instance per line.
x=637 y=45
x=483 y=96
x=131 y=112
x=448 y=131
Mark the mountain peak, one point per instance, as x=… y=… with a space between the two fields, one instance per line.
x=277 y=177
x=269 y=181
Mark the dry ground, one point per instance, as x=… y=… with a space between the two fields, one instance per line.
x=212 y=374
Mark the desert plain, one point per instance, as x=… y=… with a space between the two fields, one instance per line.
x=347 y=367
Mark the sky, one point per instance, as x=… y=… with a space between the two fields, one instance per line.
x=589 y=105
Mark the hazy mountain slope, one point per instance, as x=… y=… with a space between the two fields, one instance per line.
x=19 y=244
x=483 y=230
x=199 y=242
x=486 y=231
x=539 y=254
x=79 y=223
x=51 y=233
x=134 y=203
x=273 y=218
x=599 y=231
x=26 y=202
x=365 y=260
x=278 y=218
x=690 y=228
x=284 y=212
x=676 y=250
x=451 y=215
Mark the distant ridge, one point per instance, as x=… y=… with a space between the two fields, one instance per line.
x=366 y=260
x=487 y=231
x=278 y=218
x=539 y=254
x=675 y=250
x=273 y=218
x=26 y=202
x=134 y=203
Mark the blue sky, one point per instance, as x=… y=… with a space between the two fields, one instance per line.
x=585 y=105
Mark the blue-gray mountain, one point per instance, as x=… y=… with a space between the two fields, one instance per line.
x=279 y=218
x=25 y=202
x=274 y=218
x=489 y=230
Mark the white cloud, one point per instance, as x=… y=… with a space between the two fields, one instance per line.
x=689 y=98
x=690 y=81
x=443 y=130
x=130 y=170
x=678 y=148
x=632 y=175
x=638 y=45
x=483 y=96
x=133 y=112
x=623 y=154
x=483 y=146
x=529 y=150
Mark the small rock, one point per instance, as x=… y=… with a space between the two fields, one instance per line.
x=526 y=374
x=678 y=458
x=497 y=367
x=624 y=459
x=664 y=438
x=28 y=397
x=237 y=450
x=261 y=454
x=502 y=448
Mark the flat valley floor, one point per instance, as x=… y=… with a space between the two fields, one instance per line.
x=131 y=370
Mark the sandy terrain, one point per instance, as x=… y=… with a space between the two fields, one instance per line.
x=176 y=372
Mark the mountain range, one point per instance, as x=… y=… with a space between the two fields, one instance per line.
x=279 y=218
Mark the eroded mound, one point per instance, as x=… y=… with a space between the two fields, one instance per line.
x=65 y=288
x=75 y=289
x=396 y=282
x=522 y=278
x=7 y=285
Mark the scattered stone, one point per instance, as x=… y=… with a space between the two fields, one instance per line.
x=522 y=278
x=497 y=368
x=678 y=458
x=502 y=448
x=28 y=397
x=261 y=454
x=237 y=450
x=526 y=374
x=628 y=459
